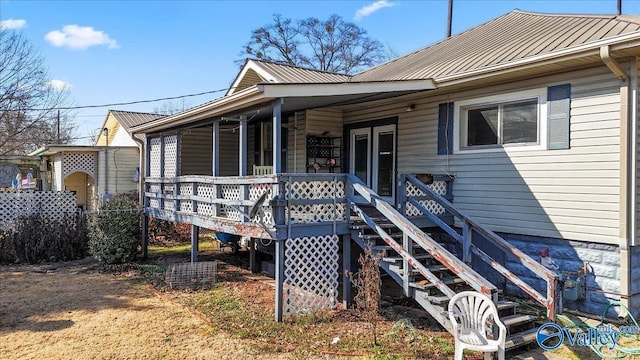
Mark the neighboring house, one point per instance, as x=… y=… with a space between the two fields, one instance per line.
x=533 y=116
x=25 y=168
x=110 y=166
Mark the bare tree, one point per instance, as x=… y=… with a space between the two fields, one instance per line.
x=27 y=99
x=172 y=107
x=332 y=45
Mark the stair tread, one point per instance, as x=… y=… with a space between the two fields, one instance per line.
x=363 y=226
x=434 y=268
x=440 y=299
x=520 y=338
x=376 y=236
x=426 y=285
x=517 y=319
x=506 y=304
x=399 y=258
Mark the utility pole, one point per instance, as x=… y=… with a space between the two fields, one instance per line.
x=449 y=18
x=619 y=7
x=58 y=129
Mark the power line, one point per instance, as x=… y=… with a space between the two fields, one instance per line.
x=122 y=103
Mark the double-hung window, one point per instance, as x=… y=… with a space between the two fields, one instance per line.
x=500 y=124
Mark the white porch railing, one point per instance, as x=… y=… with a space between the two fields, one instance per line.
x=224 y=203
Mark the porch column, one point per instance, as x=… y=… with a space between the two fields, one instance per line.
x=277 y=138
x=346 y=271
x=215 y=160
x=146 y=171
x=242 y=153
x=279 y=279
x=195 y=238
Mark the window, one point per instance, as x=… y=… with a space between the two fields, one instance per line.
x=500 y=124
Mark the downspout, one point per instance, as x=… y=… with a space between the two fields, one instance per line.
x=106 y=164
x=141 y=168
x=627 y=174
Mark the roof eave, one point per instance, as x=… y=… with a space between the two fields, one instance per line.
x=221 y=106
x=345 y=88
x=619 y=43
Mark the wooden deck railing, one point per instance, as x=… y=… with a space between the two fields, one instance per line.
x=426 y=200
x=292 y=203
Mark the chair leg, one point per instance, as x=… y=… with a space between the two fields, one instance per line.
x=488 y=356
x=500 y=353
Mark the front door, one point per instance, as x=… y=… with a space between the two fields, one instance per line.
x=372 y=158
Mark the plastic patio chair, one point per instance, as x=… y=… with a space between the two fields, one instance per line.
x=473 y=315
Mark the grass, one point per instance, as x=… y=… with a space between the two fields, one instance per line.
x=244 y=310
x=206 y=244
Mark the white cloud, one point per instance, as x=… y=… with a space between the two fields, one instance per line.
x=371 y=8
x=59 y=84
x=79 y=37
x=13 y=23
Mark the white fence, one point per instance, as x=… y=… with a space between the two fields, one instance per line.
x=16 y=204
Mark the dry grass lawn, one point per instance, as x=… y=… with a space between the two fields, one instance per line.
x=75 y=313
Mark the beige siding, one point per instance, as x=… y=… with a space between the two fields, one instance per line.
x=570 y=193
x=296 y=144
x=229 y=150
x=122 y=163
x=122 y=138
x=196 y=151
x=319 y=122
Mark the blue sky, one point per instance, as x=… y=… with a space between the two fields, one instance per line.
x=121 y=51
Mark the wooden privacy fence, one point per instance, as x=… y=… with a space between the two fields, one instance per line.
x=52 y=203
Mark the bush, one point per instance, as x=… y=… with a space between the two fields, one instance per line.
x=45 y=237
x=114 y=231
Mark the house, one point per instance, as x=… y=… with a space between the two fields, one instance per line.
x=522 y=134
x=92 y=172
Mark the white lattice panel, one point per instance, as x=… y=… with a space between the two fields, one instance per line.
x=207 y=191
x=51 y=203
x=311 y=274
x=316 y=190
x=306 y=214
x=170 y=155
x=74 y=162
x=186 y=205
x=440 y=187
x=154 y=157
x=154 y=203
x=231 y=192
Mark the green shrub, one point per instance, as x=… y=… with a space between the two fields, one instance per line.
x=44 y=237
x=114 y=231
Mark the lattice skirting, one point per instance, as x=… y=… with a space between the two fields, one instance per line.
x=51 y=203
x=311 y=274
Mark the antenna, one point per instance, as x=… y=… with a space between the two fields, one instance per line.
x=619 y=7
x=450 y=16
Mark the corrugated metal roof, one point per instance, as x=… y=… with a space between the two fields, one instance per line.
x=129 y=119
x=511 y=37
x=284 y=73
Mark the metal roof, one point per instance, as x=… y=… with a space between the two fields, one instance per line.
x=284 y=73
x=511 y=37
x=129 y=119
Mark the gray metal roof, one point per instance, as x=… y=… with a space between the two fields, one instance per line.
x=284 y=73
x=511 y=37
x=129 y=119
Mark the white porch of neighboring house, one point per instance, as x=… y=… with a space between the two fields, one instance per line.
x=90 y=172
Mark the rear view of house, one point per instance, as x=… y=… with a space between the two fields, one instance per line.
x=502 y=158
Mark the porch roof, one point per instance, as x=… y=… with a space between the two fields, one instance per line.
x=296 y=96
x=54 y=149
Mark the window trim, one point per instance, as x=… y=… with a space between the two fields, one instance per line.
x=461 y=106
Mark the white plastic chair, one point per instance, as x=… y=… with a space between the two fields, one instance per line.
x=473 y=315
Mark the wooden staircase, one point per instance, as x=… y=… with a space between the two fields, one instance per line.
x=431 y=274
x=521 y=327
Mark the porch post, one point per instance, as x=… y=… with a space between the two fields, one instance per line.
x=215 y=140
x=195 y=235
x=277 y=138
x=242 y=154
x=146 y=172
x=279 y=278
x=215 y=161
x=346 y=271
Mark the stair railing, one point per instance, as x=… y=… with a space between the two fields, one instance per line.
x=436 y=250
x=553 y=299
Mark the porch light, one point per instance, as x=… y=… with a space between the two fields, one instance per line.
x=411 y=107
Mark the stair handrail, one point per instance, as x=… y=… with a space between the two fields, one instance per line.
x=552 y=301
x=436 y=250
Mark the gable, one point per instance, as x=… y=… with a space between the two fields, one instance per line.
x=250 y=78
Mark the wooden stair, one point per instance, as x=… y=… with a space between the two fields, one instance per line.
x=521 y=328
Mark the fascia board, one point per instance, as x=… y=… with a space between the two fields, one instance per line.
x=350 y=88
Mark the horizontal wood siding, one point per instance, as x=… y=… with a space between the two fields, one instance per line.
x=122 y=163
x=570 y=194
x=296 y=144
x=319 y=122
x=229 y=150
x=196 y=151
